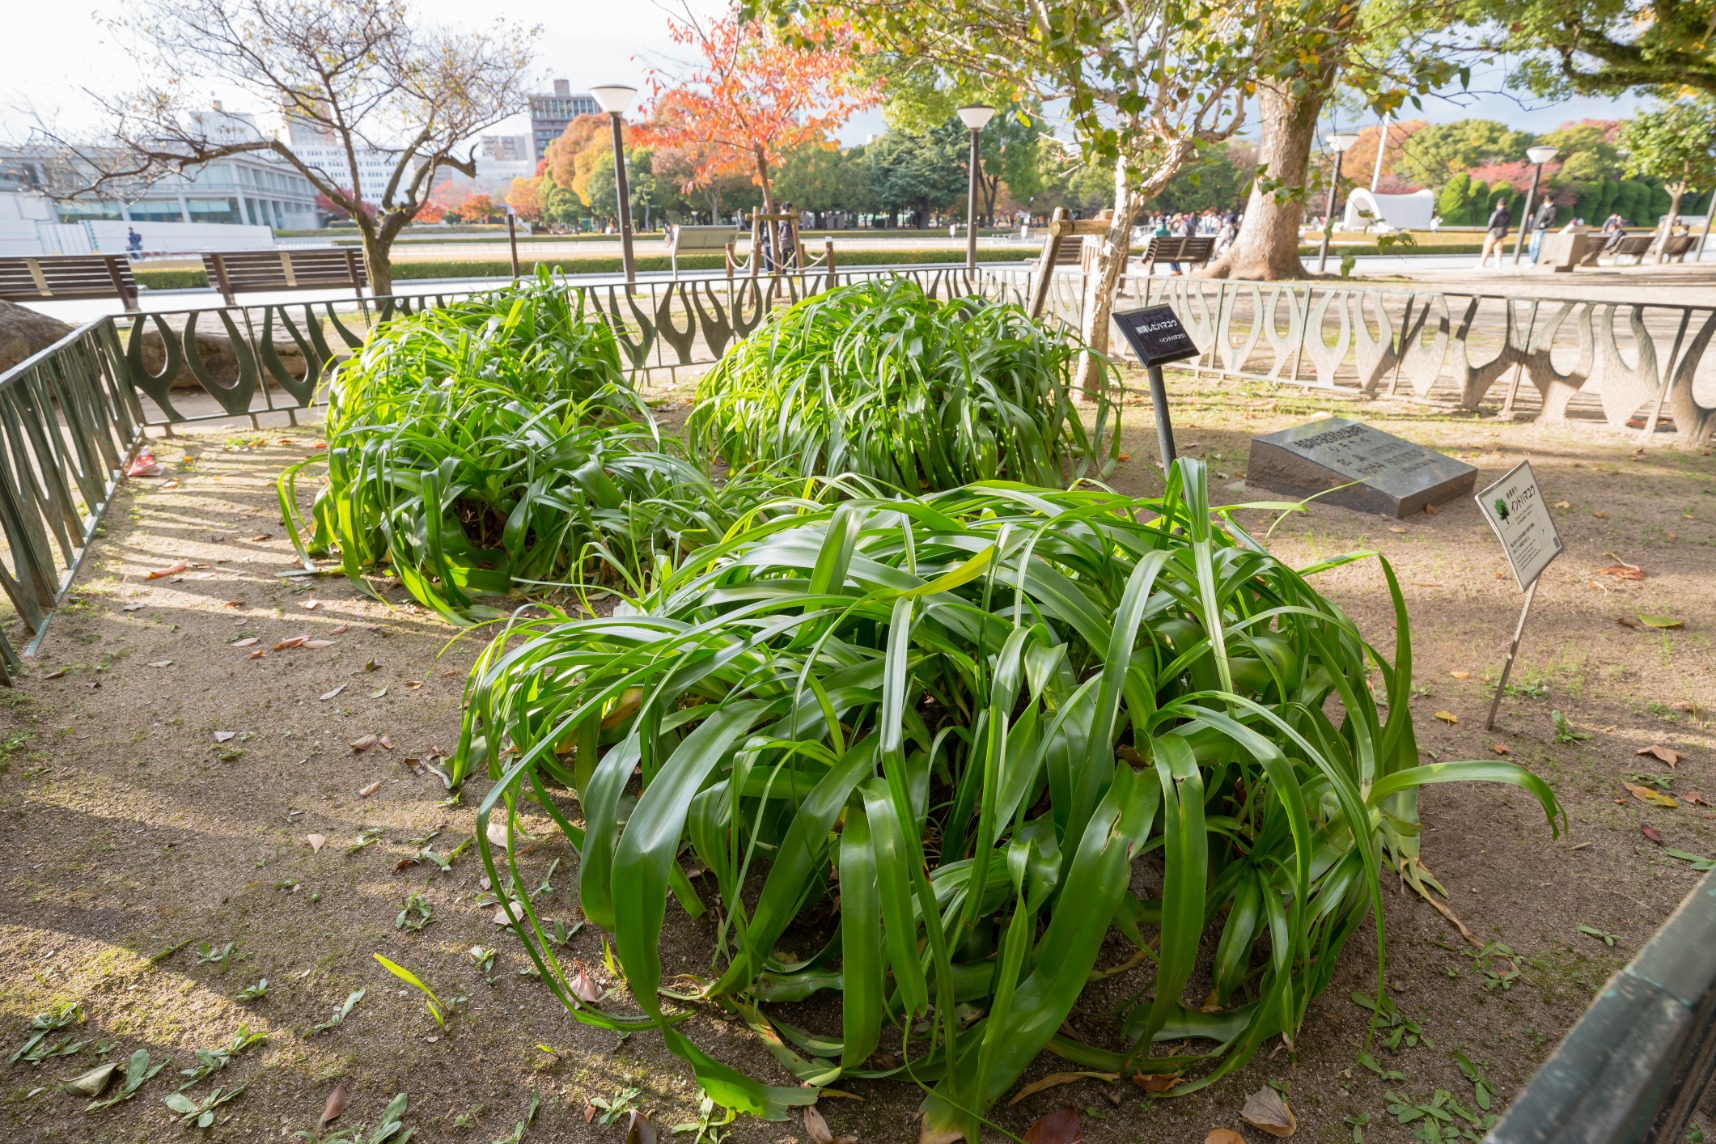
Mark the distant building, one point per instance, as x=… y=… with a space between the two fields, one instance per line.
x=255 y=189
x=503 y=158
x=549 y=115
x=322 y=150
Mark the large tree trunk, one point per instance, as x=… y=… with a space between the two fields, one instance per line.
x=1675 y=190
x=1267 y=246
x=377 y=246
x=1099 y=285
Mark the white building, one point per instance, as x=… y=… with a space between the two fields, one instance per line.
x=322 y=150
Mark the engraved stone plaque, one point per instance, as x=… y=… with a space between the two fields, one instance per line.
x=1382 y=473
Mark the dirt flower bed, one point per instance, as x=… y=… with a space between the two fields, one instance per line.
x=189 y=818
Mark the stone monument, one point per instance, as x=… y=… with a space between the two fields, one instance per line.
x=1381 y=473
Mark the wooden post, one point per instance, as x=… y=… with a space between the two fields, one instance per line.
x=1046 y=263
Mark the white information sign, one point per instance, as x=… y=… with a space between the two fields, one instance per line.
x=1516 y=511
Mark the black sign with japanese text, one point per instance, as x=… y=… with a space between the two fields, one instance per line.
x=1156 y=335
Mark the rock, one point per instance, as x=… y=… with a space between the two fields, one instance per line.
x=24 y=331
x=217 y=354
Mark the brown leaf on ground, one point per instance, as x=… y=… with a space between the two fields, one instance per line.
x=1060 y=1078
x=1266 y=1110
x=1431 y=510
x=170 y=570
x=1224 y=1136
x=257 y=654
x=1563 y=504
x=1059 y=1127
x=365 y=743
x=1395 y=528
x=317 y=841
x=336 y=1105
x=1693 y=798
x=405 y=864
x=1629 y=622
x=583 y=988
x=290 y=641
x=248 y=641
x=1623 y=572
x=1156 y=1082
x=311 y=604
x=1600 y=514
x=1651 y=833
x=60 y=674
x=1661 y=753
x=385 y=742
x=638 y=1129
x=815 y=1127
x=224 y=736
x=1499 y=748
x=327 y=695
x=1653 y=797
x=370 y=789
x=1688 y=707
x=1461 y=674
x=317 y=645
x=590 y=1111
x=340 y=631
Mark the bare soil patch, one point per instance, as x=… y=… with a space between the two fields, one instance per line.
x=136 y=833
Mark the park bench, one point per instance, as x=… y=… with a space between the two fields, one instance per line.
x=1679 y=246
x=254 y=271
x=68 y=277
x=689 y=239
x=1633 y=246
x=1192 y=249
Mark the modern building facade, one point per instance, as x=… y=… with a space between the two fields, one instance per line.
x=549 y=114
x=322 y=150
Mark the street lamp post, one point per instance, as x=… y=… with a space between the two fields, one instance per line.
x=614 y=98
x=975 y=116
x=1538 y=157
x=1337 y=143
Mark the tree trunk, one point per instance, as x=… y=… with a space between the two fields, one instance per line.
x=1105 y=271
x=376 y=248
x=763 y=178
x=1675 y=190
x=1267 y=246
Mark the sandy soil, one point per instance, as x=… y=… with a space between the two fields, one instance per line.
x=138 y=830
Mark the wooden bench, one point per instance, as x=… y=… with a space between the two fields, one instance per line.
x=1634 y=246
x=1679 y=246
x=253 y=271
x=69 y=277
x=1192 y=249
x=687 y=239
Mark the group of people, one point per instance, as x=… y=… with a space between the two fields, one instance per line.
x=1224 y=226
x=1501 y=221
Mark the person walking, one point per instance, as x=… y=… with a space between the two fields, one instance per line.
x=1495 y=234
x=133 y=244
x=1435 y=223
x=1188 y=228
x=1541 y=220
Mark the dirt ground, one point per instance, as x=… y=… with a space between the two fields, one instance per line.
x=167 y=782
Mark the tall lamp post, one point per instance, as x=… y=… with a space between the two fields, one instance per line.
x=614 y=98
x=1337 y=143
x=975 y=116
x=1538 y=157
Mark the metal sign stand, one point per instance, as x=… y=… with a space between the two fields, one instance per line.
x=1164 y=427
x=1512 y=651
x=1514 y=508
x=1158 y=338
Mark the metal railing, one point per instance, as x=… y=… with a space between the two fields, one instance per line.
x=1641 y=1058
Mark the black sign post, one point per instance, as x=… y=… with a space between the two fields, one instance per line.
x=1157 y=337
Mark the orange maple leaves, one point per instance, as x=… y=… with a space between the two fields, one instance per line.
x=754 y=96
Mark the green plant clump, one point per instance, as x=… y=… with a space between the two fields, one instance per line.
x=498 y=443
x=1000 y=726
x=880 y=380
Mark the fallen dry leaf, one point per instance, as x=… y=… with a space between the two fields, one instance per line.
x=290 y=641
x=1688 y=707
x=1651 y=833
x=365 y=743
x=257 y=654
x=1694 y=798
x=339 y=631
x=583 y=988
x=1499 y=748
x=1431 y=510
x=261 y=536
x=1461 y=674
x=1623 y=572
x=248 y=641
x=327 y=695
x=317 y=841
x=1448 y=717
x=311 y=604
x=1224 y=1136
x=1266 y=1110
x=370 y=789
x=1662 y=753
x=405 y=864
x=1600 y=514
x=1629 y=622
x=816 y=1127
x=135 y=607
x=1647 y=795
x=1060 y=1078
x=1563 y=504
x=385 y=742
x=500 y=918
x=1156 y=1082
x=317 y=645
x=170 y=570
x=336 y=1105
x=60 y=674
x=223 y=736
x=1059 y=1127
x=1395 y=528
x=162 y=663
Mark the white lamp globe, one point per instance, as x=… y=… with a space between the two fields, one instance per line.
x=976 y=115
x=614 y=98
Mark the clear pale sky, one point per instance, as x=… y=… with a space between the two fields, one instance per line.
x=56 y=49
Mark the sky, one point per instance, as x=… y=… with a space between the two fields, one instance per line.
x=585 y=41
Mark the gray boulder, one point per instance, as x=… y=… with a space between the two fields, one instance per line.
x=24 y=331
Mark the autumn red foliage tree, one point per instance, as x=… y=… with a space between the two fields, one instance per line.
x=752 y=95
